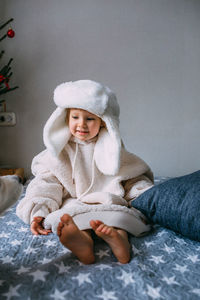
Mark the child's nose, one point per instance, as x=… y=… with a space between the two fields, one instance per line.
x=82 y=122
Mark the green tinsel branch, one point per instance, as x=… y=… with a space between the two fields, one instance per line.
x=4 y=25
x=5 y=71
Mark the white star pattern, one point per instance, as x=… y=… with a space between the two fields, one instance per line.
x=11 y=223
x=15 y=243
x=161 y=233
x=157 y=259
x=149 y=244
x=4 y=235
x=170 y=280
x=50 y=243
x=168 y=249
x=39 y=275
x=143 y=267
x=12 y=292
x=193 y=258
x=59 y=295
x=102 y=253
x=107 y=295
x=153 y=292
x=196 y=291
x=127 y=278
x=30 y=250
x=23 y=229
x=62 y=268
x=82 y=278
x=181 y=269
x=41 y=263
x=7 y=260
x=135 y=250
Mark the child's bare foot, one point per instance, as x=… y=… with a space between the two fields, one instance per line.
x=117 y=239
x=79 y=242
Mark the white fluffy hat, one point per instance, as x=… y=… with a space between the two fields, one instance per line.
x=97 y=99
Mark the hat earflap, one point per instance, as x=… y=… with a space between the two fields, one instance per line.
x=108 y=147
x=56 y=132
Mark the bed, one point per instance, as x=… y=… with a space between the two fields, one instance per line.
x=164 y=265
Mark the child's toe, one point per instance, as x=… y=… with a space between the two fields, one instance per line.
x=93 y=224
x=66 y=219
x=101 y=227
x=59 y=228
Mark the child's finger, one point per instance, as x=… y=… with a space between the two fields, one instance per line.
x=43 y=231
x=35 y=228
x=34 y=231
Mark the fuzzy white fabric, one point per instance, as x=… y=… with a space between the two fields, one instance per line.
x=10 y=191
x=55 y=191
x=97 y=99
x=129 y=219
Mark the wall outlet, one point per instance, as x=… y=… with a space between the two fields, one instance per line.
x=7 y=119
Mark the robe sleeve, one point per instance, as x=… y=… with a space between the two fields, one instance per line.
x=44 y=194
x=136 y=186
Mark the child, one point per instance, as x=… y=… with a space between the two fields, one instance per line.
x=85 y=178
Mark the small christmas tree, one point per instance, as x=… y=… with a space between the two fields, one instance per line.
x=5 y=70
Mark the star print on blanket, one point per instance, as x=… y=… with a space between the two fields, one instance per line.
x=164 y=265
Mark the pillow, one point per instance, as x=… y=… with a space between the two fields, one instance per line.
x=174 y=204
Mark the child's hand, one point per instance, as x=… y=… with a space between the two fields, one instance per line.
x=37 y=227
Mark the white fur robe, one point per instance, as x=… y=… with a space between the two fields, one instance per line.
x=73 y=184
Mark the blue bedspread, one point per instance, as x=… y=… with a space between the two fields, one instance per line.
x=164 y=265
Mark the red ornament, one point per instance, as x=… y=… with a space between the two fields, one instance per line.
x=10 y=33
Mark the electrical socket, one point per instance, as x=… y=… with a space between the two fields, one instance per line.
x=7 y=119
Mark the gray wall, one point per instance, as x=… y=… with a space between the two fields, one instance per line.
x=147 y=51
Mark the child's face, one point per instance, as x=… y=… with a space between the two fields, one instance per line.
x=83 y=124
